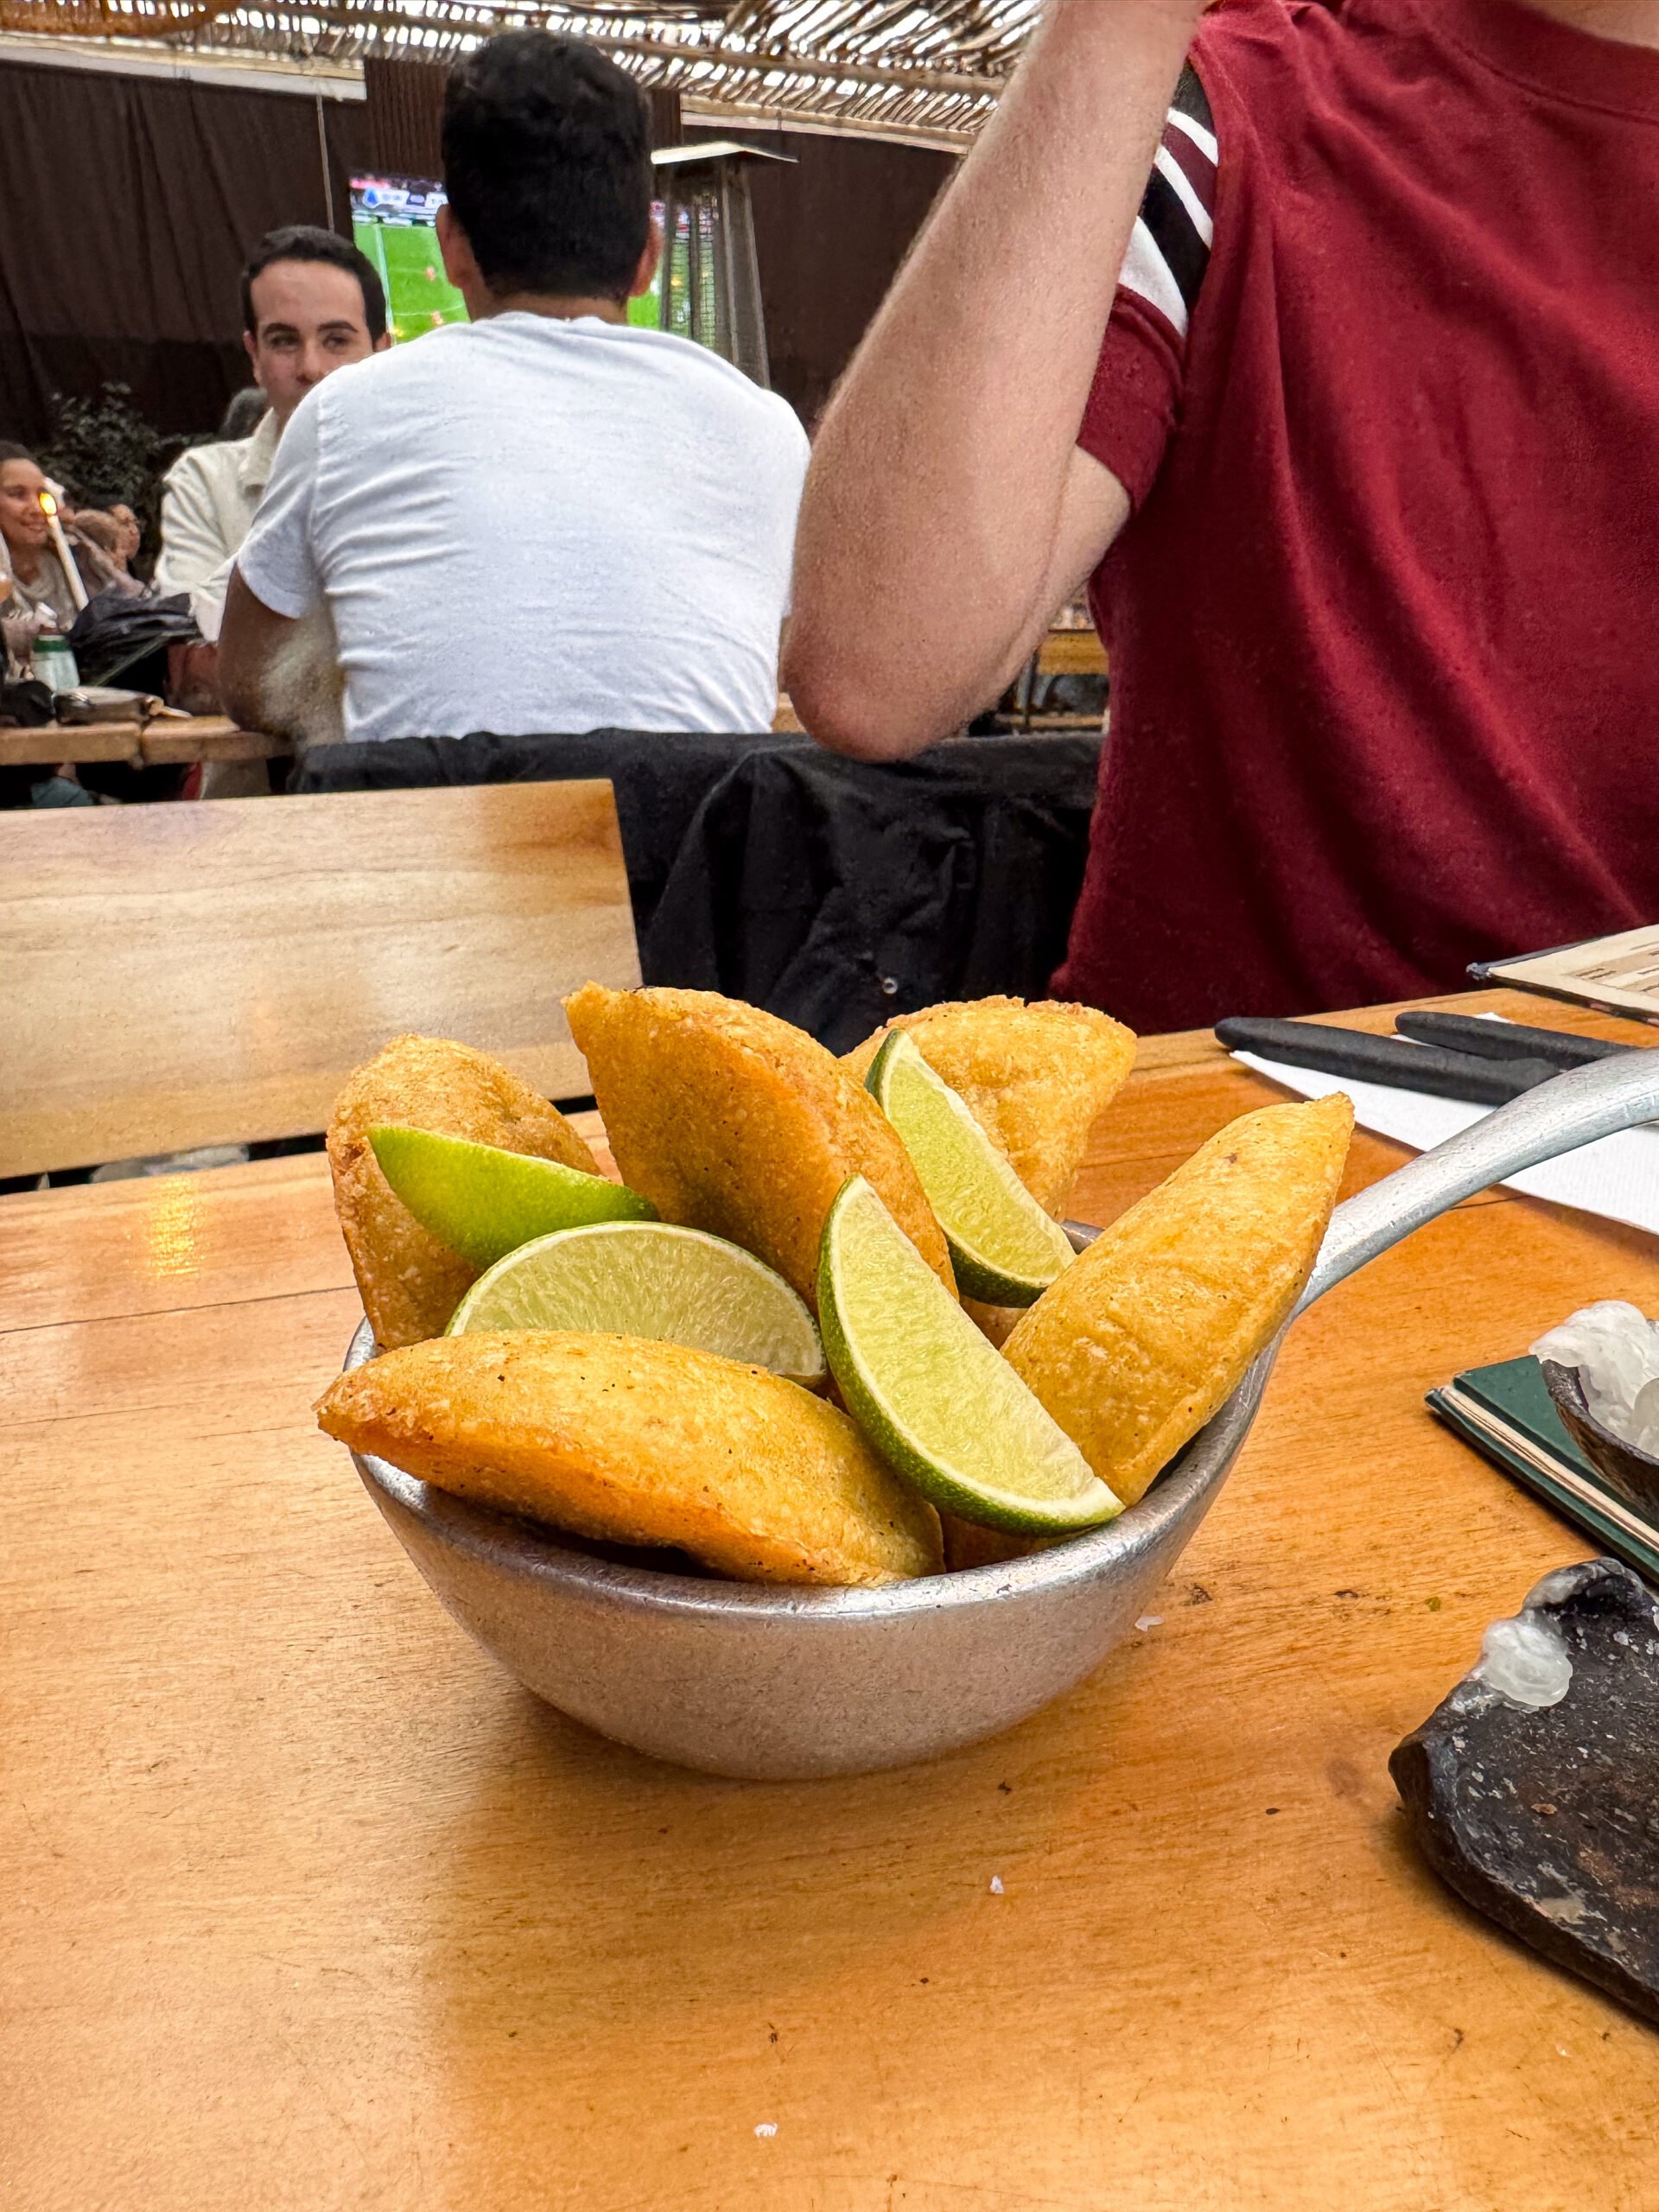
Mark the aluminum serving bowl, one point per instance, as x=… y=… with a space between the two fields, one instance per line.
x=781 y=1684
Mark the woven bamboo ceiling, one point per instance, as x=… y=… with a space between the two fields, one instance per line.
x=898 y=66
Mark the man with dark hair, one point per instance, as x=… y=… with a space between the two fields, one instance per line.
x=604 y=513
x=311 y=302
x=304 y=245
x=572 y=218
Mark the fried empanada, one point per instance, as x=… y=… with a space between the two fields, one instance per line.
x=1147 y=1333
x=1034 y=1078
x=729 y=1120
x=641 y=1442
x=410 y=1283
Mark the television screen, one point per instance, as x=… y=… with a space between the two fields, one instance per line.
x=394 y=222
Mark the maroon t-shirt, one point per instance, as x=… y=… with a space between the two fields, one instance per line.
x=1384 y=623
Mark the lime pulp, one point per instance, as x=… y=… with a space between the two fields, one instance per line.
x=651 y=1279
x=1006 y=1250
x=940 y=1404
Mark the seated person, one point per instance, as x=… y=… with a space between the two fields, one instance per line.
x=546 y=520
x=104 y=541
x=36 y=595
x=311 y=302
x=33 y=580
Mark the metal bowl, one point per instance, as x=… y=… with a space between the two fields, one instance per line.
x=775 y=1684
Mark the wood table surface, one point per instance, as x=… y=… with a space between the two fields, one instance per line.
x=305 y=1905
x=180 y=976
x=146 y=745
x=1072 y=652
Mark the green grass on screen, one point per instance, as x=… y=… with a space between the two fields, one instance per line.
x=419 y=296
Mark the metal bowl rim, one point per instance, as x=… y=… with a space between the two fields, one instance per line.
x=501 y=1542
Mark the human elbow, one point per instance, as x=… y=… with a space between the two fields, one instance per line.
x=848 y=707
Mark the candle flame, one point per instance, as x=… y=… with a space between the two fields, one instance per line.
x=48 y=506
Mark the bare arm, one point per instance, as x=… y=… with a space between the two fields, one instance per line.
x=250 y=643
x=279 y=674
x=948 y=509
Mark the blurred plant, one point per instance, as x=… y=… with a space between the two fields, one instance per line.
x=101 y=450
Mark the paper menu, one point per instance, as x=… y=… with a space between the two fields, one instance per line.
x=1620 y=973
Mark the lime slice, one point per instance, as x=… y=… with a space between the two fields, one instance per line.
x=1006 y=1250
x=941 y=1405
x=651 y=1279
x=482 y=1202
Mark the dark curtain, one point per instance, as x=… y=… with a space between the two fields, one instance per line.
x=128 y=205
x=402 y=105
x=405 y=109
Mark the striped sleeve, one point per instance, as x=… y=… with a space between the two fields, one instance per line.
x=1137 y=387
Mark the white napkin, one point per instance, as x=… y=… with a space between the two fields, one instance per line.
x=1616 y=1177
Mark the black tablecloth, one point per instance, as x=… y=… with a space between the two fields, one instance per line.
x=833 y=892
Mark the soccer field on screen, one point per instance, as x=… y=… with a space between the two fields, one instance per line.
x=419 y=296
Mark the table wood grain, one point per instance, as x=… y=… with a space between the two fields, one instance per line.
x=150 y=744
x=308 y=1906
x=1072 y=652
x=182 y=975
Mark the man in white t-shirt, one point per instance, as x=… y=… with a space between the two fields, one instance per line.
x=545 y=519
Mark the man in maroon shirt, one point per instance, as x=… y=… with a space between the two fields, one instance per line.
x=1364 y=472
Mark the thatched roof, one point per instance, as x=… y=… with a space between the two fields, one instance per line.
x=903 y=66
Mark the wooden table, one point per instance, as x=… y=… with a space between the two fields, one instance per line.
x=150 y=744
x=173 y=976
x=1061 y=652
x=1072 y=652
x=307 y=1906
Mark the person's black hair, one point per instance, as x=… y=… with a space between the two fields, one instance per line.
x=305 y=242
x=547 y=164
x=9 y=452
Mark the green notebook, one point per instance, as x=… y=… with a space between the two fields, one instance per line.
x=1507 y=1413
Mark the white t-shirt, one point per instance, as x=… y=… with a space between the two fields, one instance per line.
x=526 y=524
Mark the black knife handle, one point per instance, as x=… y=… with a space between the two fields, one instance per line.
x=1506 y=1040
x=1368 y=1059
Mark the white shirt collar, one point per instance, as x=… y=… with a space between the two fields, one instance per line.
x=260 y=454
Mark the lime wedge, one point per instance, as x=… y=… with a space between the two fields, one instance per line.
x=482 y=1202
x=1006 y=1250
x=651 y=1279
x=942 y=1406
